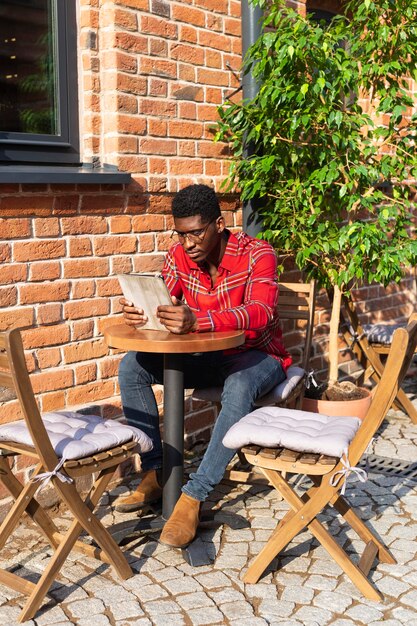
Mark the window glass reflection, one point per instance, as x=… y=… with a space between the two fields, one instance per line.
x=28 y=102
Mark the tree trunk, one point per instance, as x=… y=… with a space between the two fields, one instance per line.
x=334 y=336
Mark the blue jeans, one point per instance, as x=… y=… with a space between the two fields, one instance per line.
x=244 y=376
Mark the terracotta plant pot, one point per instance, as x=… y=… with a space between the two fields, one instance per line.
x=339 y=408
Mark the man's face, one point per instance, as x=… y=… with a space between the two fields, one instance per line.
x=199 y=239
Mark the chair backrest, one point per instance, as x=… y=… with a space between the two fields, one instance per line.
x=296 y=306
x=14 y=375
x=402 y=349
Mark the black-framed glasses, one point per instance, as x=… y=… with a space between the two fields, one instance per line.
x=195 y=236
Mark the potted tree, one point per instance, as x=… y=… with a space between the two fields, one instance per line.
x=334 y=136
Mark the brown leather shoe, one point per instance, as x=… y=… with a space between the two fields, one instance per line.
x=181 y=527
x=148 y=492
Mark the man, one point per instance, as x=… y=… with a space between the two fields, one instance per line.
x=218 y=281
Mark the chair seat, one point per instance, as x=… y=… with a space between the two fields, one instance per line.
x=279 y=393
x=300 y=431
x=380 y=333
x=75 y=436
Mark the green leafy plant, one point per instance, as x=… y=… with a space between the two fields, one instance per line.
x=334 y=143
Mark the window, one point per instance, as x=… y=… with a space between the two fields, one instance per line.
x=38 y=82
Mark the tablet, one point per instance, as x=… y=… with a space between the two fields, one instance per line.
x=147 y=291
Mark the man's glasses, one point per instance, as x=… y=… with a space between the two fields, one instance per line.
x=195 y=236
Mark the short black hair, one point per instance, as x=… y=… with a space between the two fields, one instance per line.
x=196 y=200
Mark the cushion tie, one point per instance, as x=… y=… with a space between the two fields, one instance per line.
x=346 y=471
x=45 y=477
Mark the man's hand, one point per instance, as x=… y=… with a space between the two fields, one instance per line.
x=132 y=315
x=178 y=318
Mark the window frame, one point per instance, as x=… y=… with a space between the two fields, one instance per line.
x=28 y=148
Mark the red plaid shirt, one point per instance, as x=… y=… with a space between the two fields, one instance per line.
x=245 y=295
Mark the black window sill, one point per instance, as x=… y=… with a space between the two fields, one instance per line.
x=84 y=174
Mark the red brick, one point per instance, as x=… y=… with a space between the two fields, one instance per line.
x=64 y=205
x=102 y=204
x=121 y=143
x=133 y=164
x=8 y=296
x=187 y=110
x=46 y=227
x=147 y=223
x=52 y=380
x=85 y=351
x=157 y=184
x=217 y=6
x=188 y=15
x=131 y=42
x=188 y=33
x=83 y=289
x=48 y=313
x=50 y=357
x=157 y=26
x=108 y=287
x=130 y=124
x=114 y=59
x=124 y=103
x=10 y=412
x=55 y=291
x=35 y=205
x=14 y=228
x=82 y=329
x=213 y=59
x=131 y=84
x=46 y=336
x=158 y=67
x=186 y=166
x=211 y=149
x=214 y=95
x=185 y=129
x=91 y=392
x=214 y=23
x=207 y=113
x=110 y=245
x=109 y=367
x=212 y=77
x=80 y=246
x=158 y=88
x=53 y=401
x=187 y=72
x=163 y=241
x=120 y=224
x=232 y=26
x=141 y=5
x=16 y=318
x=119 y=17
x=85 y=373
x=158 y=146
x=45 y=270
x=41 y=249
x=12 y=273
x=187 y=54
x=81 y=268
x=149 y=263
x=146 y=243
x=158 y=48
x=5 y=252
x=151 y=107
x=158 y=127
x=187 y=148
x=89 y=308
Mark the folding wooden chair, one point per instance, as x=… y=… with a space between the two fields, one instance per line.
x=368 y=343
x=313 y=438
x=296 y=308
x=63 y=446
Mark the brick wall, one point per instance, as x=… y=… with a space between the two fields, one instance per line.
x=151 y=74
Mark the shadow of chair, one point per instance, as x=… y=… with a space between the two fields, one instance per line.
x=327 y=449
x=296 y=308
x=370 y=342
x=63 y=446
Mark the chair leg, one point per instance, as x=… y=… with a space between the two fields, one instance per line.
x=305 y=515
x=349 y=515
x=84 y=518
x=32 y=507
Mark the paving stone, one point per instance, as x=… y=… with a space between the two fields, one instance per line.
x=194 y=600
x=53 y=615
x=182 y=584
x=161 y=607
x=126 y=610
x=94 y=620
x=298 y=595
x=214 y=580
x=209 y=616
x=168 y=620
x=338 y=602
x=90 y=606
x=270 y=607
x=320 y=582
x=390 y=586
x=313 y=613
x=364 y=613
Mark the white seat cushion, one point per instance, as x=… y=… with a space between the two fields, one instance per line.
x=381 y=333
x=279 y=393
x=75 y=436
x=297 y=430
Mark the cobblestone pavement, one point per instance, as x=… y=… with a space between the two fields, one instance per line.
x=309 y=588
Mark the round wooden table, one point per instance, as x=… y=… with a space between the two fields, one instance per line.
x=172 y=347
